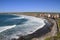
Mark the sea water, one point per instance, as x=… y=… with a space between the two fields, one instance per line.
x=12 y=26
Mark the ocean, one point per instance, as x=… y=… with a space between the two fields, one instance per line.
x=13 y=26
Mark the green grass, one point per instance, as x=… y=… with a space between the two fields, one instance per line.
x=54 y=37
x=58 y=34
x=58 y=21
x=48 y=38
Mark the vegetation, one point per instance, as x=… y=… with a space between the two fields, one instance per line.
x=48 y=38
x=54 y=37
x=57 y=37
x=58 y=21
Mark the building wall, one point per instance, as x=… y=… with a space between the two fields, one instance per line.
x=50 y=15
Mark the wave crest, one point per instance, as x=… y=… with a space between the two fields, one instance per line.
x=31 y=25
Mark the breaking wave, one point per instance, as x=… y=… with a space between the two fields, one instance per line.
x=6 y=27
x=12 y=27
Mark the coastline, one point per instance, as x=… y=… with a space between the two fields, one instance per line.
x=38 y=33
x=28 y=25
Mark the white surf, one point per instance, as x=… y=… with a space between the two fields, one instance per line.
x=6 y=27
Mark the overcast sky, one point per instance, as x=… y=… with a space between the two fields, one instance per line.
x=29 y=5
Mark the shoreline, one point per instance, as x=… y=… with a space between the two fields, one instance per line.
x=38 y=33
x=33 y=20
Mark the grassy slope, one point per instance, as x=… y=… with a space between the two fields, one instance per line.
x=58 y=34
x=54 y=37
x=58 y=20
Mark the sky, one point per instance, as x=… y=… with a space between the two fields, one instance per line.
x=29 y=5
